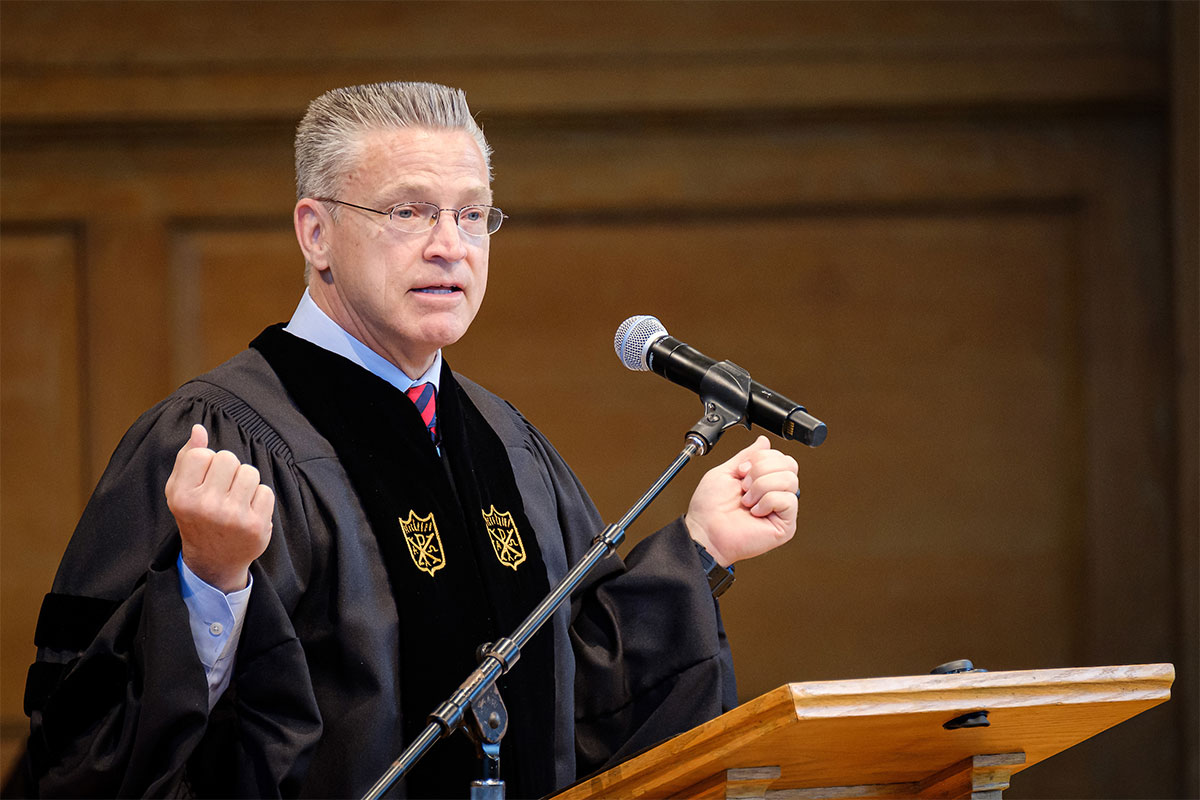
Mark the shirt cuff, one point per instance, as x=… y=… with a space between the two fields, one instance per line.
x=216 y=618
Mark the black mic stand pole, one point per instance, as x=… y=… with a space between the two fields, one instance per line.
x=725 y=393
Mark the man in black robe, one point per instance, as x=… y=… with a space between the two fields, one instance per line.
x=348 y=518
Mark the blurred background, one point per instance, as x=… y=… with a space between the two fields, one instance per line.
x=964 y=234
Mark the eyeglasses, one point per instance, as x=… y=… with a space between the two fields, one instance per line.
x=420 y=217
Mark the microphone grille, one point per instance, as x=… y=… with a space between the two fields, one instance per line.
x=633 y=340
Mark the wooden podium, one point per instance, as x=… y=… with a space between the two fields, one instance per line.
x=886 y=737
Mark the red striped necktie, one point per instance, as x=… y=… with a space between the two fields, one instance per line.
x=424 y=397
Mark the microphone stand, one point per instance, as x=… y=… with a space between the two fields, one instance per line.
x=476 y=705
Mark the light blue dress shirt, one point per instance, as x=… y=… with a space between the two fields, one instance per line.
x=216 y=618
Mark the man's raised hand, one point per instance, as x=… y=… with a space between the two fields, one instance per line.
x=747 y=505
x=222 y=510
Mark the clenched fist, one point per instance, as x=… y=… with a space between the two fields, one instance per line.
x=747 y=505
x=222 y=510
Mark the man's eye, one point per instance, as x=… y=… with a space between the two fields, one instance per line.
x=404 y=212
x=472 y=214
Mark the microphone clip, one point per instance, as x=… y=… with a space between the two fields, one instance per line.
x=725 y=394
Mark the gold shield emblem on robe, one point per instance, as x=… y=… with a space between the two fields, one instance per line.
x=424 y=543
x=506 y=539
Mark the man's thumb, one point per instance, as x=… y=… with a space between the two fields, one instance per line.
x=198 y=437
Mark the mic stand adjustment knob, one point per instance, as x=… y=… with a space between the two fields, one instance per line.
x=725 y=393
x=487 y=722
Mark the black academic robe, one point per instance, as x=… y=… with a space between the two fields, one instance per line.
x=118 y=699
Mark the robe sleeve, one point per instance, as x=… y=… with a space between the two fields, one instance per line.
x=651 y=657
x=117 y=698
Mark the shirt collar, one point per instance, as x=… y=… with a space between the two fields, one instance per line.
x=313 y=325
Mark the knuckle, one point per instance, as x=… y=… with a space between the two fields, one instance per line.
x=227 y=457
x=182 y=502
x=199 y=456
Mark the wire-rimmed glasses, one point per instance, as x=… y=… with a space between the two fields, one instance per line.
x=477 y=220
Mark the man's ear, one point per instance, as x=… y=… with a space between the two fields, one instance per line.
x=312 y=222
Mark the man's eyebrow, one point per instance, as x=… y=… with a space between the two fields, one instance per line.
x=411 y=192
x=406 y=191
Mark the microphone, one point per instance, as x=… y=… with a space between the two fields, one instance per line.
x=642 y=343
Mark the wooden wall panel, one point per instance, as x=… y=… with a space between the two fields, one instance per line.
x=265 y=59
x=228 y=283
x=1185 y=233
x=133 y=192
x=42 y=398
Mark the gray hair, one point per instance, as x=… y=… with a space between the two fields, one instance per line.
x=328 y=138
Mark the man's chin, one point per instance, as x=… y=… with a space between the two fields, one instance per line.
x=436 y=334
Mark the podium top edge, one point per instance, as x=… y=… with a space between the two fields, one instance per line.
x=1081 y=684
x=1156 y=673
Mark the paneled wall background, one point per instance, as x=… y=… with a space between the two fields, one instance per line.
x=962 y=233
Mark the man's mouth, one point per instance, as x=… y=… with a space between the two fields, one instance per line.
x=438 y=289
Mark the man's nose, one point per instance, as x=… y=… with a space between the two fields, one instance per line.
x=446 y=216
x=447 y=236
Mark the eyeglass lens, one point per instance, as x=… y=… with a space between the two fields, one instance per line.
x=475 y=220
